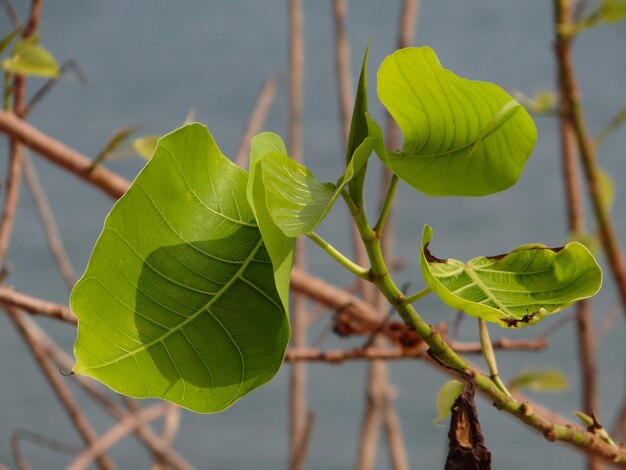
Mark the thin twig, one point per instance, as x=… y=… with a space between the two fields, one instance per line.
x=61 y=390
x=120 y=430
x=564 y=16
x=36 y=306
x=257 y=118
x=24 y=435
x=574 y=109
x=298 y=403
x=49 y=225
x=159 y=448
x=61 y=155
x=16 y=153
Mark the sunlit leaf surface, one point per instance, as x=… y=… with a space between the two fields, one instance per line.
x=179 y=300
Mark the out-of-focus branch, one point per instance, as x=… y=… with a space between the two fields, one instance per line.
x=574 y=109
x=298 y=414
x=124 y=427
x=62 y=391
x=159 y=448
x=49 y=224
x=257 y=118
x=61 y=155
x=16 y=152
x=36 y=306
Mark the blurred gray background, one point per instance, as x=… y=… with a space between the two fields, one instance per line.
x=149 y=62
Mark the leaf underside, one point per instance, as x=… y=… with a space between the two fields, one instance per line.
x=516 y=289
x=461 y=137
x=178 y=300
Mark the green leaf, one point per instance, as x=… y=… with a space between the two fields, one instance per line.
x=279 y=246
x=516 y=289
x=6 y=41
x=358 y=131
x=540 y=381
x=178 y=300
x=461 y=137
x=115 y=141
x=296 y=200
x=447 y=395
x=145 y=146
x=29 y=58
x=612 y=11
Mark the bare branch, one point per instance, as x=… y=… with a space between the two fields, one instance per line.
x=257 y=118
x=124 y=427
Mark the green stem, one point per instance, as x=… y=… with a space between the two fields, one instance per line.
x=490 y=356
x=351 y=266
x=418 y=295
x=387 y=204
x=379 y=275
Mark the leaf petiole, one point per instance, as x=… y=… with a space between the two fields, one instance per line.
x=384 y=212
x=490 y=357
x=418 y=295
x=351 y=266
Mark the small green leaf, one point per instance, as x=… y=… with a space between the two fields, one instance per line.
x=447 y=395
x=607 y=189
x=145 y=146
x=612 y=11
x=29 y=58
x=279 y=247
x=461 y=137
x=296 y=200
x=358 y=131
x=540 y=381
x=179 y=300
x=6 y=41
x=113 y=144
x=515 y=289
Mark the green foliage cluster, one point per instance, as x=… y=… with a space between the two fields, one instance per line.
x=187 y=291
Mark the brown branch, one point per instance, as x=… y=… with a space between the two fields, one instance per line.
x=120 y=430
x=49 y=225
x=298 y=404
x=257 y=118
x=337 y=356
x=61 y=155
x=36 y=306
x=564 y=16
x=61 y=390
x=16 y=153
x=159 y=448
x=571 y=95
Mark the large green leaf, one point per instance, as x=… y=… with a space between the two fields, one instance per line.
x=461 y=137
x=296 y=200
x=178 y=300
x=279 y=246
x=516 y=289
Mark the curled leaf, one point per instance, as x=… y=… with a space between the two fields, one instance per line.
x=461 y=137
x=516 y=289
x=466 y=443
